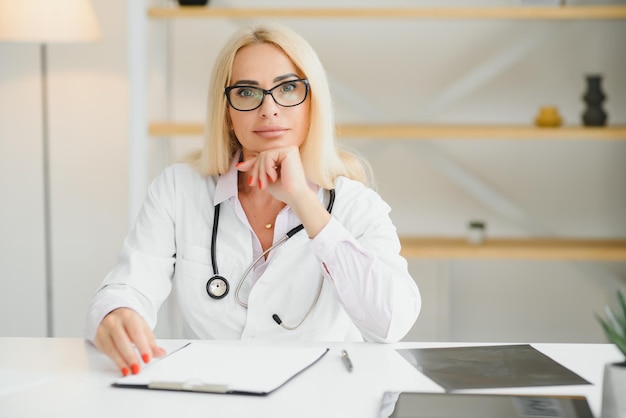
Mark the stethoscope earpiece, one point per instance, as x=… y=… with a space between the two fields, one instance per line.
x=217 y=287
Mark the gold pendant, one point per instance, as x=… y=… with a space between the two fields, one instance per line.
x=268 y=226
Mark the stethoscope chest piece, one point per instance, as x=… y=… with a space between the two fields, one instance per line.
x=217 y=287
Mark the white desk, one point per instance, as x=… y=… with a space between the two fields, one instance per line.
x=42 y=377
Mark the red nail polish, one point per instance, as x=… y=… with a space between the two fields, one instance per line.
x=250 y=181
x=239 y=164
x=145 y=358
x=260 y=185
x=134 y=368
x=125 y=372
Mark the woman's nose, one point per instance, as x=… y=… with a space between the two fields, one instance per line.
x=269 y=107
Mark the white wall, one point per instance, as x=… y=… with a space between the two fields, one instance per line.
x=409 y=71
x=89 y=164
x=22 y=289
x=88 y=171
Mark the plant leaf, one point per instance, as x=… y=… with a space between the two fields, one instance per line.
x=610 y=318
x=622 y=303
x=621 y=344
x=612 y=336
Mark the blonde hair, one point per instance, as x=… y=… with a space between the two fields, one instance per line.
x=322 y=158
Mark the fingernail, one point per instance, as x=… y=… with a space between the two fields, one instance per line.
x=125 y=372
x=260 y=185
x=250 y=181
x=238 y=164
x=145 y=358
x=134 y=368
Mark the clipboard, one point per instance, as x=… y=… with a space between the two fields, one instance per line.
x=231 y=369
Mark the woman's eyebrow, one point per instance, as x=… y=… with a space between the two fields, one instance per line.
x=256 y=83
x=246 y=82
x=284 y=77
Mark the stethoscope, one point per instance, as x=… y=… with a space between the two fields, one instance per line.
x=217 y=286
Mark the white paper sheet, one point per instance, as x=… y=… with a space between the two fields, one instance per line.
x=217 y=368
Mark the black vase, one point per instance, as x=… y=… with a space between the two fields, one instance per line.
x=193 y=2
x=594 y=115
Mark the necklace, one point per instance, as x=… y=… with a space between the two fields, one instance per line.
x=245 y=202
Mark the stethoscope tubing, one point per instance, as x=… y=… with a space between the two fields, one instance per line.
x=317 y=297
x=223 y=281
x=251 y=266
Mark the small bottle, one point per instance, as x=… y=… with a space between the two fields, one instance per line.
x=476 y=232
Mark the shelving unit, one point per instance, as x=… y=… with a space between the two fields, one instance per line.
x=443 y=248
x=382 y=132
x=516 y=13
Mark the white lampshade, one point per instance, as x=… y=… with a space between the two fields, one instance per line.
x=48 y=21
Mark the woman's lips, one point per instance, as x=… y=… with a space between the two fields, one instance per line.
x=271 y=132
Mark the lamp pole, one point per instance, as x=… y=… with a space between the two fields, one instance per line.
x=47 y=221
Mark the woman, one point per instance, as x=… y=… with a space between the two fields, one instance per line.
x=214 y=227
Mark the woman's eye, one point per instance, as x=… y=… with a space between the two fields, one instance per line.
x=245 y=92
x=289 y=87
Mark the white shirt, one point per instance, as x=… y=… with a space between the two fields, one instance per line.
x=367 y=291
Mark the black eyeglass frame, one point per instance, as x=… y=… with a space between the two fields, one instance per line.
x=267 y=92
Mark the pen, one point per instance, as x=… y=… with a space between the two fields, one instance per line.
x=346 y=360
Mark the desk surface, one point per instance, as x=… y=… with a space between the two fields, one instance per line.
x=67 y=378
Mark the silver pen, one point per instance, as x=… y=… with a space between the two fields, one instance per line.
x=346 y=360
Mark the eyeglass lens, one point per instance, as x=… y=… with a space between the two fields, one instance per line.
x=287 y=94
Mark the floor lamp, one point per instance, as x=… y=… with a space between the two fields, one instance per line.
x=44 y=22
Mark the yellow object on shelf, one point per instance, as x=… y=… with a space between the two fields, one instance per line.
x=548 y=117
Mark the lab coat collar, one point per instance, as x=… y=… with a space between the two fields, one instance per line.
x=226 y=186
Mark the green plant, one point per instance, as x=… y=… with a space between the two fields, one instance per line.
x=615 y=324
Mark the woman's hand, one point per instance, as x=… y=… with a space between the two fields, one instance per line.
x=117 y=333
x=280 y=172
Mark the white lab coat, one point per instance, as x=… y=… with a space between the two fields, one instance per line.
x=367 y=294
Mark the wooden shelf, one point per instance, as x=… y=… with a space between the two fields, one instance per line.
x=515 y=248
x=479 y=132
x=388 y=132
x=513 y=12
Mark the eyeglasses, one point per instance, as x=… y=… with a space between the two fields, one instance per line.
x=286 y=94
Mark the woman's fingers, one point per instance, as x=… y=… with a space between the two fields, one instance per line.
x=138 y=335
x=262 y=166
x=270 y=168
x=143 y=338
x=119 y=333
x=122 y=344
x=265 y=168
x=245 y=165
x=279 y=171
x=255 y=168
x=106 y=345
x=248 y=166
